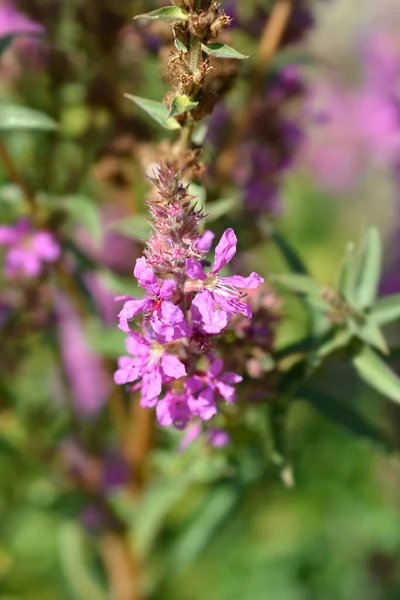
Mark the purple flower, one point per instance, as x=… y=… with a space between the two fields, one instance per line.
x=156 y=304
x=218 y=437
x=205 y=386
x=152 y=364
x=173 y=409
x=223 y=290
x=205 y=319
x=28 y=250
x=12 y=21
x=88 y=380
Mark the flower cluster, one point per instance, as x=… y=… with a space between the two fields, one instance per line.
x=268 y=144
x=27 y=250
x=183 y=308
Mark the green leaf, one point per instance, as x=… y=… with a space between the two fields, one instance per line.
x=156 y=110
x=302 y=346
x=369 y=269
x=386 y=310
x=75 y=564
x=20 y=117
x=298 y=283
x=334 y=340
x=289 y=253
x=202 y=528
x=346 y=279
x=171 y=14
x=369 y=332
x=374 y=371
x=180 y=45
x=135 y=227
x=219 y=50
x=157 y=501
x=181 y=105
x=343 y=415
x=219 y=208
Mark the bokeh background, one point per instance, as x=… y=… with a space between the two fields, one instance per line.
x=199 y=531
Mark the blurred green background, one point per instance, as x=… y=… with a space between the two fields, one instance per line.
x=335 y=535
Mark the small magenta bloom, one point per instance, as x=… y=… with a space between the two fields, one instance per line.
x=218 y=437
x=12 y=21
x=205 y=386
x=223 y=290
x=28 y=250
x=156 y=305
x=173 y=409
x=152 y=364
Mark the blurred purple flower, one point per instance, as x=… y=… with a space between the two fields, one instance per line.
x=218 y=437
x=89 y=383
x=27 y=250
x=12 y=21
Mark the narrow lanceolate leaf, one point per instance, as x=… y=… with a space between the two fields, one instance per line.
x=298 y=283
x=346 y=279
x=289 y=254
x=343 y=415
x=76 y=566
x=202 y=529
x=156 y=110
x=386 y=310
x=181 y=105
x=374 y=371
x=219 y=208
x=369 y=269
x=369 y=332
x=219 y=50
x=335 y=340
x=20 y=117
x=180 y=46
x=171 y=14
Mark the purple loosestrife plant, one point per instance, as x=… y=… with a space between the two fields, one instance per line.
x=183 y=309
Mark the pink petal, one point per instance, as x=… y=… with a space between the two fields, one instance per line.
x=232 y=307
x=151 y=388
x=172 y=366
x=171 y=313
x=137 y=345
x=225 y=250
x=126 y=374
x=8 y=235
x=227 y=391
x=230 y=377
x=167 y=289
x=194 y=269
x=250 y=282
x=215 y=368
x=218 y=437
x=205 y=242
x=130 y=310
x=45 y=246
x=203 y=406
x=146 y=276
x=191 y=434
